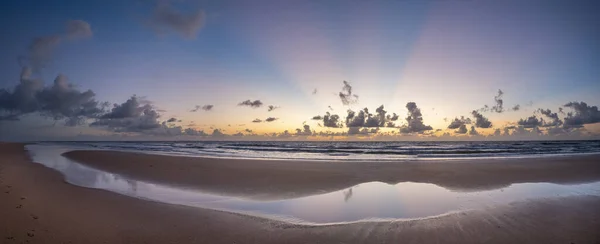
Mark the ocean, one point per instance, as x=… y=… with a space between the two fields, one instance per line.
x=351 y=151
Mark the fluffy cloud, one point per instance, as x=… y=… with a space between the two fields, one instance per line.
x=346 y=94
x=61 y=101
x=457 y=123
x=414 y=120
x=305 y=131
x=318 y=117
x=473 y=132
x=331 y=120
x=166 y=18
x=130 y=116
x=530 y=122
x=583 y=114
x=271 y=108
x=252 y=104
x=256 y=121
x=480 y=120
x=553 y=116
x=171 y=120
x=462 y=129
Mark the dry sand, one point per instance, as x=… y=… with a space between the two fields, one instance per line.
x=272 y=179
x=37 y=206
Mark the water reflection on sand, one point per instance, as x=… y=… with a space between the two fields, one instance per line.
x=372 y=201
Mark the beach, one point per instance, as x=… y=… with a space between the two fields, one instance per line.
x=38 y=206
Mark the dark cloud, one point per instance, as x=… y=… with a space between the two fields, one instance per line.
x=499 y=107
x=256 y=121
x=271 y=108
x=248 y=130
x=171 y=120
x=270 y=119
x=318 y=117
x=414 y=120
x=555 y=120
x=462 y=129
x=218 y=133
x=346 y=94
x=457 y=123
x=331 y=120
x=480 y=120
x=361 y=131
x=530 y=122
x=473 y=132
x=207 y=107
x=61 y=101
x=582 y=114
x=252 y=104
x=166 y=18
x=516 y=107
x=193 y=132
x=330 y=108
x=130 y=116
x=305 y=131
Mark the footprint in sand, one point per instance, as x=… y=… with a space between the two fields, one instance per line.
x=30 y=234
x=19 y=206
x=34 y=216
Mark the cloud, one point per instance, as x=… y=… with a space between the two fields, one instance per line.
x=516 y=107
x=207 y=107
x=331 y=120
x=248 y=130
x=166 y=19
x=41 y=49
x=271 y=108
x=270 y=119
x=583 y=114
x=346 y=94
x=318 y=117
x=462 y=129
x=305 y=131
x=480 y=120
x=61 y=101
x=414 y=120
x=314 y=91
x=499 y=107
x=457 y=123
x=361 y=131
x=473 y=132
x=252 y=104
x=530 y=122
x=193 y=132
x=256 y=121
x=330 y=108
x=130 y=116
x=78 y=29
x=218 y=133
x=171 y=120
x=554 y=116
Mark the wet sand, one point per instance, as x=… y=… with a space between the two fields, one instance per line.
x=37 y=206
x=272 y=179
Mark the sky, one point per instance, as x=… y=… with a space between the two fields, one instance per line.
x=299 y=70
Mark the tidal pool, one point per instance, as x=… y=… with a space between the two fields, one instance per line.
x=372 y=201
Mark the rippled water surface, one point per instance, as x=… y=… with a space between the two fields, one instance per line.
x=373 y=201
x=375 y=151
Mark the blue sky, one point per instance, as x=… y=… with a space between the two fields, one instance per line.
x=449 y=57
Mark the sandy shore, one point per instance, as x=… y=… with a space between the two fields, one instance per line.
x=271 y=179
x=37 y=206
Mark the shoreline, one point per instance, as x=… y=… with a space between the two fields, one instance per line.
x=52 y=211
x=282 y=179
